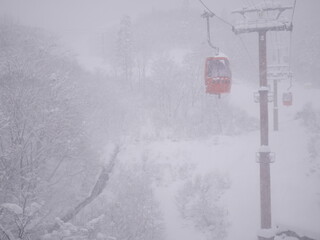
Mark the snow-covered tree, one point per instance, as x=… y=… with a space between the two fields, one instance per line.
x=43 y=144
x=199 y=203
x=310 y=118
x=128 y=209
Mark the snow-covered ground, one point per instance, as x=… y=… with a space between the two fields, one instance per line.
x=295 y=194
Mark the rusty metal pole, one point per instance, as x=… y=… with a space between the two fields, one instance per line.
x=265 y=186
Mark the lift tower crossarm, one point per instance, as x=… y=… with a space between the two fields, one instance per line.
x=262 y=24
x=243 y=11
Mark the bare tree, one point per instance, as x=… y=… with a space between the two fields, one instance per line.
x=199 y=204
x=97 y=189
x=43 y=144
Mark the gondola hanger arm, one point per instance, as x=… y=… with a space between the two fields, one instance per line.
x=207 y=16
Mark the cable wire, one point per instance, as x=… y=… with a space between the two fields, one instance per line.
x=294 y=7
x=206 y=7
x=221 y=19
x=224 y=21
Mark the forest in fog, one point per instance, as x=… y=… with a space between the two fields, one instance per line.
x=116 y=139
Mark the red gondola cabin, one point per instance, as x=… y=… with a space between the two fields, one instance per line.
x=287 y=99
x=217 y=75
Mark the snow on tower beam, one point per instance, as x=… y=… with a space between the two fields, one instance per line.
x=262 y=25
x=243 y=11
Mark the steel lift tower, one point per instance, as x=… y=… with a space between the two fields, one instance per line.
x=267 y=17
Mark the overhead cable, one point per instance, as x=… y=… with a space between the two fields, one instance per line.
x=294 y=7
x=221 y=19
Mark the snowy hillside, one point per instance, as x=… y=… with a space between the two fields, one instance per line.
x=108 y=132
x=295 y=193
x=295 y=200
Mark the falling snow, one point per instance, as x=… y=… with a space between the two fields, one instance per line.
x=107 y=132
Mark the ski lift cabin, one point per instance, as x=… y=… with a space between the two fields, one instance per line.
x=287 y=99
x=217 y=75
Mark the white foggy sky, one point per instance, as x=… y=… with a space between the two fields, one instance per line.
x=77 y=20
x=64 y=15
x=76 y=14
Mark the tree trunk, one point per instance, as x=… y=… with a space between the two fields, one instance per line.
x=5 y=235
x=99 y=186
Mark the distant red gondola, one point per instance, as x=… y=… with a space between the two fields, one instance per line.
x=217 y=75
x=287 y=99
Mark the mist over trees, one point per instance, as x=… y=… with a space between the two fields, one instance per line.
x=54 y=115
x=47 y=156
x=310 y=117
x=66 y=171
x=167 y=90
x=44 y=146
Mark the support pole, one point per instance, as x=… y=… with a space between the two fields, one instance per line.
x=275 y=24
x=263 y=88
x=275 y=106
x=265 y=188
